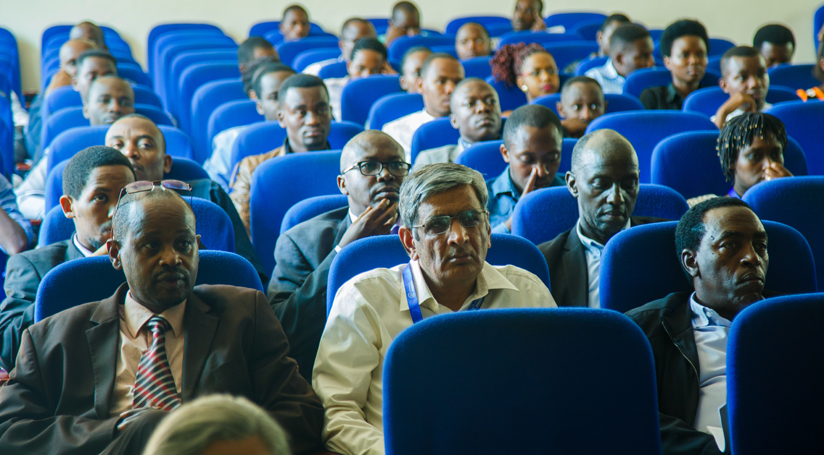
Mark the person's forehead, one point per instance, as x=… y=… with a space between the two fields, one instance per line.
x=134 y=127
x=272 y=81
x=415 y=60
x=295 y=14
x=527 y=135
x=609 y=159
x=740 y=63
x=644 y=43
x=96 y=63
x=378 y=147
x=731 y=219
x=474 y=89
x=358 y=29
x=539 y=59
x=297 y=96
x=470 y=30
x=580 y=90
x=443 y=67
x=371 y=54
x=111 y=177
x=111 y=86
x=689 y=41
x=452 y=201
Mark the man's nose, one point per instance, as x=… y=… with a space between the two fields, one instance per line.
x=457 y=233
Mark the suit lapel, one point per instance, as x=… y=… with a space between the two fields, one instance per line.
x=104 y=339
x=577 y=272
x=72 y=252
x=342 y=227
x=200 y=328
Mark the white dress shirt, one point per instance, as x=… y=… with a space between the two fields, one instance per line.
x=608 y=77
x=335 y=85
x=711 y=332
x=314 y=68
x=86 y=252
x=593 y=252
x=369 y=311
x=31 y=194
x=404 y=128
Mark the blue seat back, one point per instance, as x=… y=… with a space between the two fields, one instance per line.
x=437 y=133
x=688 y=163
x=707 y=100
x=192 y=78
x=186 y=59
x=756 y=363
x=796 y=202
x=206 y=99
x=454 y=25
x=289 y=50
x=588 y=29
x=570 y=20
x=262 y=28
x=360 y=94
x=511 y=98
x=718 y=46
x=159 y=30
x=168 y=91
x=477 y=67
x=310 y=56
x=541 y=38
x=586 y=65
x=566 y=53
x=527 y=349
x=542 y=215
x=310 y=208
x=333 y=70
x=228 y=115
x=134 y=74
x=392 y=107
x=644 y=78
x=615 y=102
x=276 y=38
x=399 y=46
x=486 y=158
x=801 y=120
x=645 y=129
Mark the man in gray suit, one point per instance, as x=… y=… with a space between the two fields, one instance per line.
x=372 y=169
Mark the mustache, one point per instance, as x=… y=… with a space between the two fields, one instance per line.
x=170 y=272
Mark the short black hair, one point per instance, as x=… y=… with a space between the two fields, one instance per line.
x=353 y=20
x=774 y=34
x=580 y=80
x=295 y=7
x=247 y=76
x=533 y=115
x=95 y=53
x=738 y=51
x=613 y=18
x=271 y=67
x=740 y=131
x=80 y=166
x=411 y=51
x=300 y=81
x=370 y=44
x=408 y=7
x=626 y=35
x=246 y=50
x=122 y=216
x=690 y=230
x=435 y=56
x=684 y=27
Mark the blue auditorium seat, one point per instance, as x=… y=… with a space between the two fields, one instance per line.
x=184 y=60
x=454 y=25
x=380 y=24
x=560 y=367
x=206 y=99
x=289 y=50
x=541 y=38
x=308 y=57
x=191 y=79
x=566 y=53
x=707 y=100
x=588 y=29
x=392 y=107
x=359 y=95
x=586 y=65
x=571 y=19
x=615 y=102
x=645 y=78
x=486 y=158
x=645 y=129
x=399 y=46
x=228 y=115
x=511 y=98
x=160 y=67
x=310 y=208
x=168 y=89
x=134 y=74
x=477 y=67
x=437 y=133
x=802 y=121
x=276 y=38
x=160 y=30
x=333 y=70
x=262 y=28
x=542 y=215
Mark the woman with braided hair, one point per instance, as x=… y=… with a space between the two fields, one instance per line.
x=527 y=66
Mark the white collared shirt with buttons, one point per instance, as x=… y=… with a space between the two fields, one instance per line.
x=369 y=311
x=711 y=332
x=593 y=252
x=402 y=129
x=608 y=77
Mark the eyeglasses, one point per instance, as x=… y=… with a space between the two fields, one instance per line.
x=396 y=168
x=144 y=186
x=437 y=225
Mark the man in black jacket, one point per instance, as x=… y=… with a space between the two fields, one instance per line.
x=604 y=178
x=722 y=246
x=304 y=253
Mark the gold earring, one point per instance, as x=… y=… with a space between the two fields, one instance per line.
x=524 y=88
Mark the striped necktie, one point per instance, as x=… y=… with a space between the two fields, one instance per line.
x=154 y=385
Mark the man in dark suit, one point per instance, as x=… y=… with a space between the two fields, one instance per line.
x=722 y=248
x=604 y=179
x=99 y=377
x=91 y=182
x=305 y=252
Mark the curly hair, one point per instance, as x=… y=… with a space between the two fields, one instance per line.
x=507 y=62
x=740 y=131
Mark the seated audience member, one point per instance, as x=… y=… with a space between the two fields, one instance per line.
x=89 y=31
x=411 y=64
x=295 y=24
x=107 y=99
x=776 y=43
x=527 y=16
x=305 y=113
x=372 y=169
x=16 y=233
x=265 y=78
x=251 y=50
x=92 y=180
x=744 y=77
x=602 y=37
x=368 y=59
x=751 y=149
x=405 y=21
x=684 y=45
x=722 y=247
x=476 y=113
x=353 y=30
x=815 y=93
x=440 y=74
x=157 y=343
x=630 y=48
x=143 y=143
x=527 y=66
x=604 y=180
x=533 y=137
x=472 y=40
x=582 y=101
x=218 y=424
x=445 y=230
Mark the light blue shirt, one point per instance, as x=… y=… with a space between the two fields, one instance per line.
x=8 y=202
x=608 y=77
x=219 y=163
x=593 y=252
x=503 y=197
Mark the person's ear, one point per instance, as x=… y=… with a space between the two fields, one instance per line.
x=113 y=247
x=454 y=121
x=598 y=36
x=606 y=105
x=571 y=183
x=488 y=232
x=618 y=59
x=723 y=84
x=505 y=153
x=519 y=83
x=408 y=241
x=280 y=119
x=419 y=85
x=560 y=108
x=74 y=82
x=405 y=86
x=667 y=63
x=258 y=106
x=690 y=262
x=85 y=110
x=167 y=164
x=342 y=186
x=66 y=204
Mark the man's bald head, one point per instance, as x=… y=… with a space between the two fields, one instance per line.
x=365 y=143
x=131 y=212
x=376 y=151
x=604 y=143
x=72 y=49
x=89 y=31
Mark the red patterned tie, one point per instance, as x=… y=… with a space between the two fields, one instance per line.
x=154 y=385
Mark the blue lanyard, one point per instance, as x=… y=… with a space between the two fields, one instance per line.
x=412 y=296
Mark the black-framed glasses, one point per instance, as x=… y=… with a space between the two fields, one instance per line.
x=396 y=168
x=437 y=225
x=144 y=186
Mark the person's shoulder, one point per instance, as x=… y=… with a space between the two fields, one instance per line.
x=434 y=155
x=373 y=288
x=397 y=123
x=555 y=246
x=517 y=275
x=651 y=313
x=45 y=253
x=652 y=97
x=330 y=219
x=219 y=297
x=63 y=323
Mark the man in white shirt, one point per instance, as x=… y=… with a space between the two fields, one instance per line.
x=368 y=59
x=722 y=248
x=446 y=233
x=353 y=30
x=744 y=77
x=440 y=74
x=630 y=48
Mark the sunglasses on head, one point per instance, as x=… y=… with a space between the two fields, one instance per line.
x=144 y=186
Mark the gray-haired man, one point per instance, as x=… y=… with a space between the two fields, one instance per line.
x=446 y=232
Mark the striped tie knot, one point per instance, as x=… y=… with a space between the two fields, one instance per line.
x=158 y=326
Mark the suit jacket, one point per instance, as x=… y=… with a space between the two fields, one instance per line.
x=297 y=290
x=24 y=272
x=59 y=395
x=568 y=271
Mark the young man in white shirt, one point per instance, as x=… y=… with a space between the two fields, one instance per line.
x=630 y=48
x=368 y=58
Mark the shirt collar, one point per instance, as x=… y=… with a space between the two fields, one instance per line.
x=673 y=95
x=503 y=184
x=462 y=145
x=287 y=149
x=427 y=115
x=591 y=245
x=704 y=317
x=610 y=72
x=136 y=316
x=86 y=252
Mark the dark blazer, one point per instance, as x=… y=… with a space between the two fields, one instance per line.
x=568 y=273
x=297 y=291
x=57 y=400
x=24 y=272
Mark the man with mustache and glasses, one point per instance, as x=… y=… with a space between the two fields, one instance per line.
x=476 y=113
x=372 y=168
x=92 y=180
x=99 y=377
x=722 y=248
x=445 y=229
x=604 y=179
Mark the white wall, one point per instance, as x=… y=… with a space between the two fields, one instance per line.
x=733 y=19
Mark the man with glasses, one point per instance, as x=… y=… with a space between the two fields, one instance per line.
x=372 y=168
x=445 y=229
